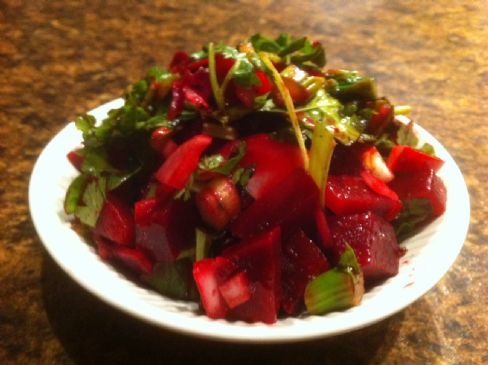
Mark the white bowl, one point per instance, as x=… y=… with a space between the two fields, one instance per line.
x=429 y=256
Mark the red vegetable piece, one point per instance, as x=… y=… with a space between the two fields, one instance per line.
x=405 y=159
x=236 y=290
x=165 y=230
x=265 y=85
x=246 y=95
x=179 y=166
x=194 y=98
x=299 y=93
x=132 y=258
x=423 y=185
x=209 y=274
x=179 y=62
x=381 y=188
x=116 y=222
x=273 y=162
x=260 y=258
x=291 y=205
x=218 y=203
x=177 y=100
x=76 y=158
x=323 y=228
x=381 y=117
x=350 y=194
x=302 y=261
x=347 y=160
x=373 y=162
x=199 y=81
x=222 y=66
x=373 y=241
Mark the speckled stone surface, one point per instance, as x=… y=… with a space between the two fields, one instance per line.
x=59 y=59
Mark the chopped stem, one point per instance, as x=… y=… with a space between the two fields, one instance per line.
x=214 y=83
x=289 y=106
x=228 y=77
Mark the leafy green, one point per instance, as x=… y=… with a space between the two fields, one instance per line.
x=173 y=279
x=299 y=51
x=74 y=193
x=414 y=214
x=349 y=85
x=407 y=137
x=325 y=107
x=92 y=202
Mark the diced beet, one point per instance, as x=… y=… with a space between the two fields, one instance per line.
x=373 y=241
x=423 y=185
x=405 y=159
x=260 y=258
x=323 y=229
x=350 y=194
x=209 y=274
x=265 y=85
x=179 y=166
x=218 y=203
x=236 y=290
x=292 y=205
x=298 y=93
x=76 y=158
x=273 y=162
x=347 y=160
x=302 y=261
x=165 y=230
x=133 y=258
x=116 y=222
x=378 y=186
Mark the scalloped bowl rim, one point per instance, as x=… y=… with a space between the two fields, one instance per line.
x=430 y=255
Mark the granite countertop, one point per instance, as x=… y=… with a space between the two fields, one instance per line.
x=59 y=59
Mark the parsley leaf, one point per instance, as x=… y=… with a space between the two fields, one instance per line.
x=414 y=214
x=92 y=200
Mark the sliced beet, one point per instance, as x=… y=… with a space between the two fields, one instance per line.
x=76 y=158
x=116 y=222
x=347 y=160
x=291 y=204
x=260 y=258
x=133 y=258
x=209 y=274
x=426 y=185
x=165 y=230
x=272 y=160
x=236 y=290
x=373 y=240
x=302 y=261
x=350 y=194
x=405 y=159
x=179 y=166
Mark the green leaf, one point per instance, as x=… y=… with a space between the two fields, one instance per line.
x=324 y=107
x=74 y=193
x=264 y=44
x=92 y=200
x=245 y=74
x=406 y=136
x=173 y=279
x=349 y=85
x=414 y=214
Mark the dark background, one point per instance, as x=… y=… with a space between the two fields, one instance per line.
x=61 y=58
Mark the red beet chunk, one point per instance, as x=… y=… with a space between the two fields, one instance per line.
x=76 y=158
x=164 y=231
x=236 y=290
x=133 y=258
x=405 y=159
x=347 y=160
x=273 y=161
x=176 y=170
x=209 y=274
x=373 y=241
x=260 y=258
x=302 y=261
x=116 y=222
x=350 y=194
x=424 y=185
x=291 y=204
